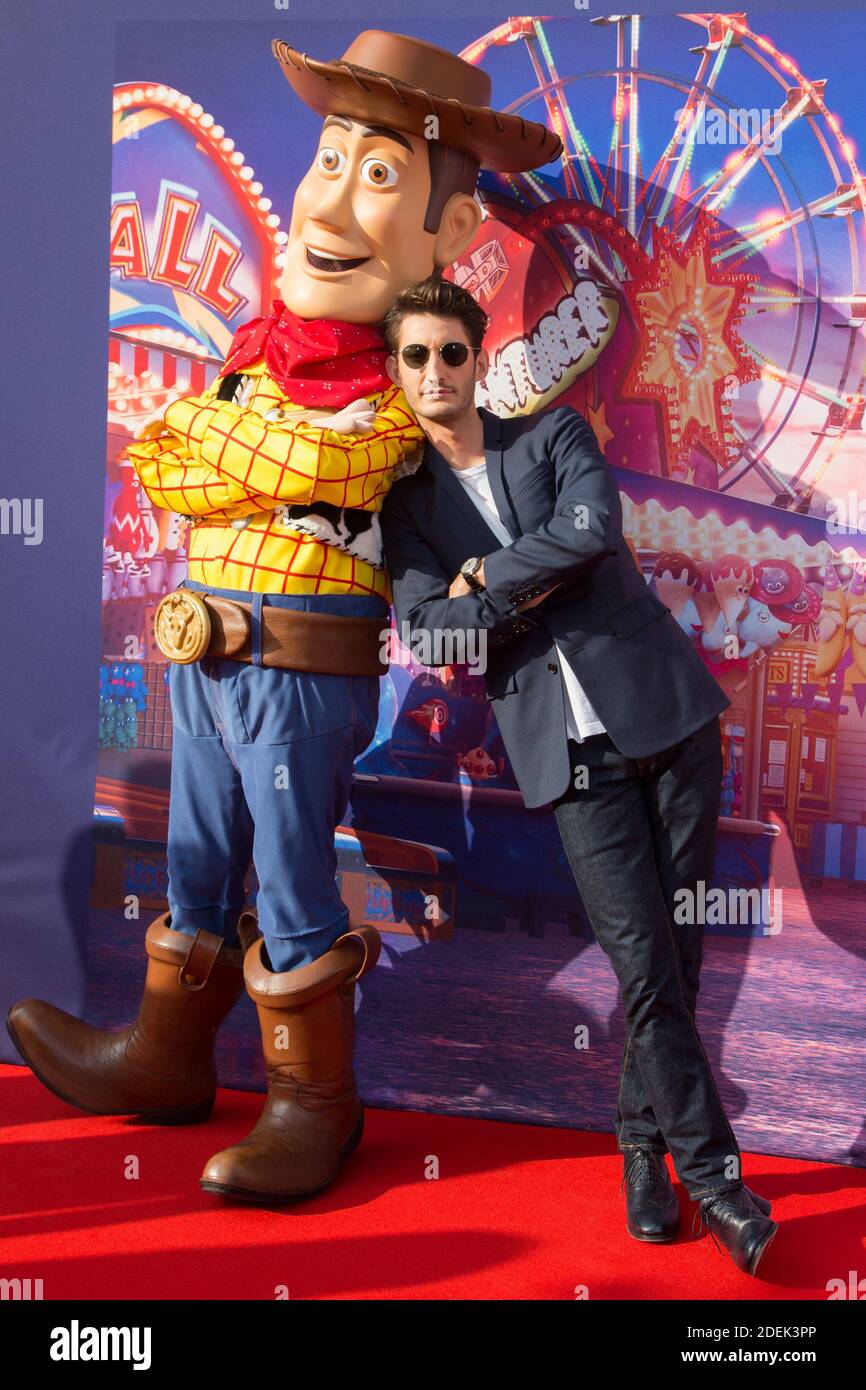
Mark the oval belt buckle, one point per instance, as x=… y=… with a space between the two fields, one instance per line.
x=182 y=626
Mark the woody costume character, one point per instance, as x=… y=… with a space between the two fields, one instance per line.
x=275 y=638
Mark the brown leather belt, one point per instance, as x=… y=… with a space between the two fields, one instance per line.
x=189 y=624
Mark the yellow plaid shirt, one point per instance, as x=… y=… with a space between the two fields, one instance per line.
x=218 y=461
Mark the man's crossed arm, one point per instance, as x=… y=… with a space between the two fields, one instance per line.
x=585 y=526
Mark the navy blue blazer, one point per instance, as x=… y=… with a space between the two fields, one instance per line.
x=560 y=504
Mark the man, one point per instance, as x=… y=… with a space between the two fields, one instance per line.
x=513 y=529
x=274 y=676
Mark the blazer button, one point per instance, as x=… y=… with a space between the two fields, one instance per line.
x=552 y=667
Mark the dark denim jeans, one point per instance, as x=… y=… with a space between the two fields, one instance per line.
x=639 y=831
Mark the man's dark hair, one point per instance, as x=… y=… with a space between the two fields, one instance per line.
x=435 y=295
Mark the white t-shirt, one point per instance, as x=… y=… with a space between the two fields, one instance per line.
x=581 y=719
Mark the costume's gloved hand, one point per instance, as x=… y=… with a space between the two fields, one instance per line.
x=153 y=428
x=355 y=418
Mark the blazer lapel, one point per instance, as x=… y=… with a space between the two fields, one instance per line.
x=467 y=511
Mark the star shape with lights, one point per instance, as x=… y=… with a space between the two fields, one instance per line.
x=690 y=358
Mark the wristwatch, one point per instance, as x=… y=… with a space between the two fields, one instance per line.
x=469 y=569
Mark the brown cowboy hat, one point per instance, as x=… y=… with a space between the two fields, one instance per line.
x=392 y=80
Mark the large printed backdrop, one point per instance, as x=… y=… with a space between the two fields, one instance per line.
x=688 y=278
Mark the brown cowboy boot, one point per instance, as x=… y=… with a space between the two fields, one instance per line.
x=313 y=1117
x=162 y=1067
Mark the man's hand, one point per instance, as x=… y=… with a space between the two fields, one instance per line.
x=459 y=587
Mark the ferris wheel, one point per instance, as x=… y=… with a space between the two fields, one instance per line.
x=749 y=347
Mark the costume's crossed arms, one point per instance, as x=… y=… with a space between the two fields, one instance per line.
x=213 y=458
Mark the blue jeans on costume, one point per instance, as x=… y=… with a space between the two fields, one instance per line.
x=639 y=831
x=261 y=770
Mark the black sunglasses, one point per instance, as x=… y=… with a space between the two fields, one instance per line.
x=452 y=354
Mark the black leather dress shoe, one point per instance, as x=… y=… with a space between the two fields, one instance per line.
x=743 y=1228
x=760 y=1202
x=652 y=1209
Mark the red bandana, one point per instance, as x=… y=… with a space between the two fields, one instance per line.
x=317 y=362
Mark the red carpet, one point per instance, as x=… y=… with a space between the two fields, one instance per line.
x=517 y=1212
